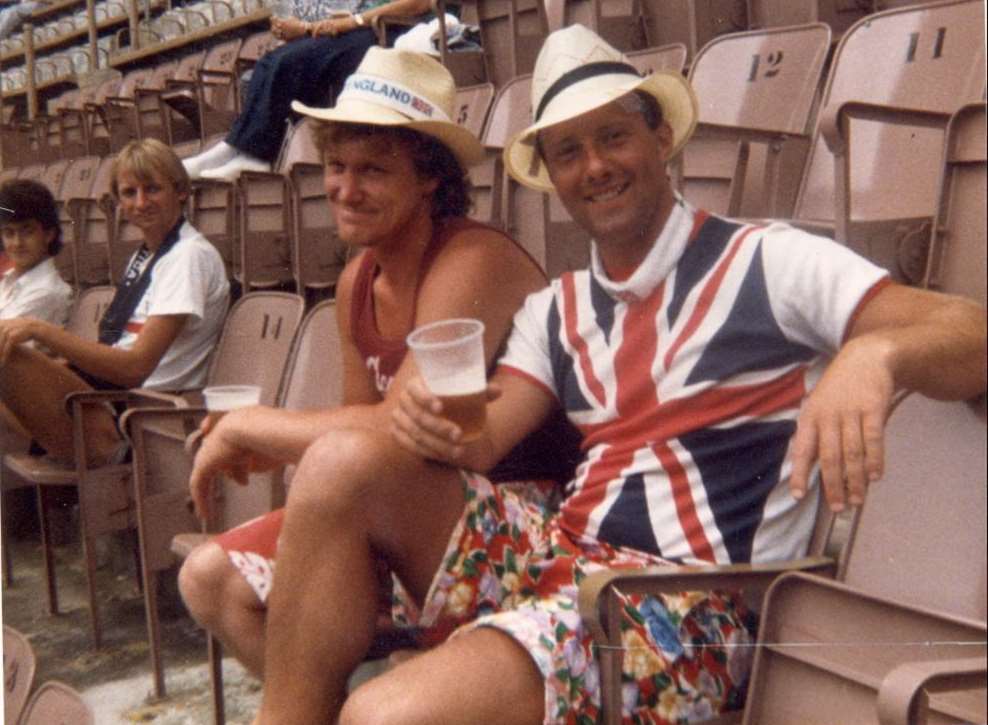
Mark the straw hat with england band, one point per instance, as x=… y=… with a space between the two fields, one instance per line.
x=577 y=72
x=402 y=88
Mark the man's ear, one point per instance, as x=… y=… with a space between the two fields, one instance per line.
x=665 y=137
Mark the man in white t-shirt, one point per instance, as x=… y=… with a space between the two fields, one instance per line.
x=159 y=330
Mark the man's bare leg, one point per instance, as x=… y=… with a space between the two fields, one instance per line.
x=355 y=494
x=453 y=684
x=33 y=387
x=221 y=601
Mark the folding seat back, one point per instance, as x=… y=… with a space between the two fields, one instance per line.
x=111 y=124
x=217 y=85
x=267 y=244
x=93 y=218
x=694 y=23
x=958 y=254
x=253 y=47
x=56 y=703
x=837 y=14
x=213 y=211
x=508 y=114
x=87 y=311
x=155 y=117
x=77 y=184
x=472 y=105
x=670 y=57
x=619 y=22
x=512 y=32
x=19 y=664
x=318 y=255
x=879 y=143
x=256 y=341
x=53 y=174
x=909 y=605
x=756 y=92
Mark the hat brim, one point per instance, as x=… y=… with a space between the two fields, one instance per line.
x=671 y=90
x=464 y=145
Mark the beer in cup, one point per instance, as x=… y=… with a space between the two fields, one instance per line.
x=450 y=357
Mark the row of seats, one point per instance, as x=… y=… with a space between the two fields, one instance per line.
x=776 y=140
x=511 y=32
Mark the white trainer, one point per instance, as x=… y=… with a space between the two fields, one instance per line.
x=231 y=170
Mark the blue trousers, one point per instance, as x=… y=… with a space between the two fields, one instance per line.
x=310 y=70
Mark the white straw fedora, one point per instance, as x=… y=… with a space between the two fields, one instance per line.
x=402 y=88
x=577 y=72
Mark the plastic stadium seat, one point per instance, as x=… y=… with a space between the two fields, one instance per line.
x=756 y=92
x=959 y=248
x=875 y=160
x=311 y=377
x=692 y=22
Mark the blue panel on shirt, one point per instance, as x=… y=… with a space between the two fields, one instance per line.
x=567 y=386
x=750 y=338
x=698 y=258
x=603 y=305
x=740 y=467
x=627 y=522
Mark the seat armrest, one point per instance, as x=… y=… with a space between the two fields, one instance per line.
x=899 y=695
x=673 y=579
x=136 y=416
x=834 y=120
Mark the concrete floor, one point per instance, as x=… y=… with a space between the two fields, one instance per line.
x=116 y=680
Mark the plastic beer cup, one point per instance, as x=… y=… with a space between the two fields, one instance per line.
x=223 y=398
x=450 y=357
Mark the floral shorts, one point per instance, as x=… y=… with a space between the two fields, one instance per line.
x=510 y=566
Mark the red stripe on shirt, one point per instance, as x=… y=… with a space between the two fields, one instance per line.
x=706 y=299
x=579 y=507
x=636 y=390
x=673 y=418
x=578 y=344
x=682 y=495
x=134 y=327
x=509 y=370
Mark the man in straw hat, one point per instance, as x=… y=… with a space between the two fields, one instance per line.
x=395 y=181
x=684 y=354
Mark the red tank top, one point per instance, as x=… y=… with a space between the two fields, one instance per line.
x=383 y=355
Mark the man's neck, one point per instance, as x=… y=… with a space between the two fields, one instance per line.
x=622 y=256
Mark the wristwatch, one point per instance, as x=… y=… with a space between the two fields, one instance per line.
x=359 y=20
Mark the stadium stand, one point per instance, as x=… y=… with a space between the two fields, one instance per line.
x=888 y=156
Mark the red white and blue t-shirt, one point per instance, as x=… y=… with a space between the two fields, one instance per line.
x=686 y=380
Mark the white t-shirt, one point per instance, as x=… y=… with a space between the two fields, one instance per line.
x=189 y=280
x=39 y=293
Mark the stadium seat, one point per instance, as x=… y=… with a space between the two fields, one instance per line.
x=837 y=14
x=19 y=665
x=874 y=164
x=208 y=101
x=619 y=22
x=756 y=91
x=908 y=608
x=959 y=248
x=310 y=377
x=693 y=23
x=93 y=224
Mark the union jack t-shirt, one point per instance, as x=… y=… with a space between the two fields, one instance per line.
x=686 y=380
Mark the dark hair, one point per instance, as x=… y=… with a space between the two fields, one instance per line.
x=28 y=199
x=431 y=158
x=635 y=102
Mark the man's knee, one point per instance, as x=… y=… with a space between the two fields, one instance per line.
x=202 y=580
x=375 y=702
x=343 y=470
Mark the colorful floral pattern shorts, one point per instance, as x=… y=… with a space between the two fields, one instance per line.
x=510 y=566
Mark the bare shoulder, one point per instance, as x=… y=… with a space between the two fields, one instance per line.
x=489 y=252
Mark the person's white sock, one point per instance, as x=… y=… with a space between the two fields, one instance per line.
x=211 y=158
x=231 y=170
